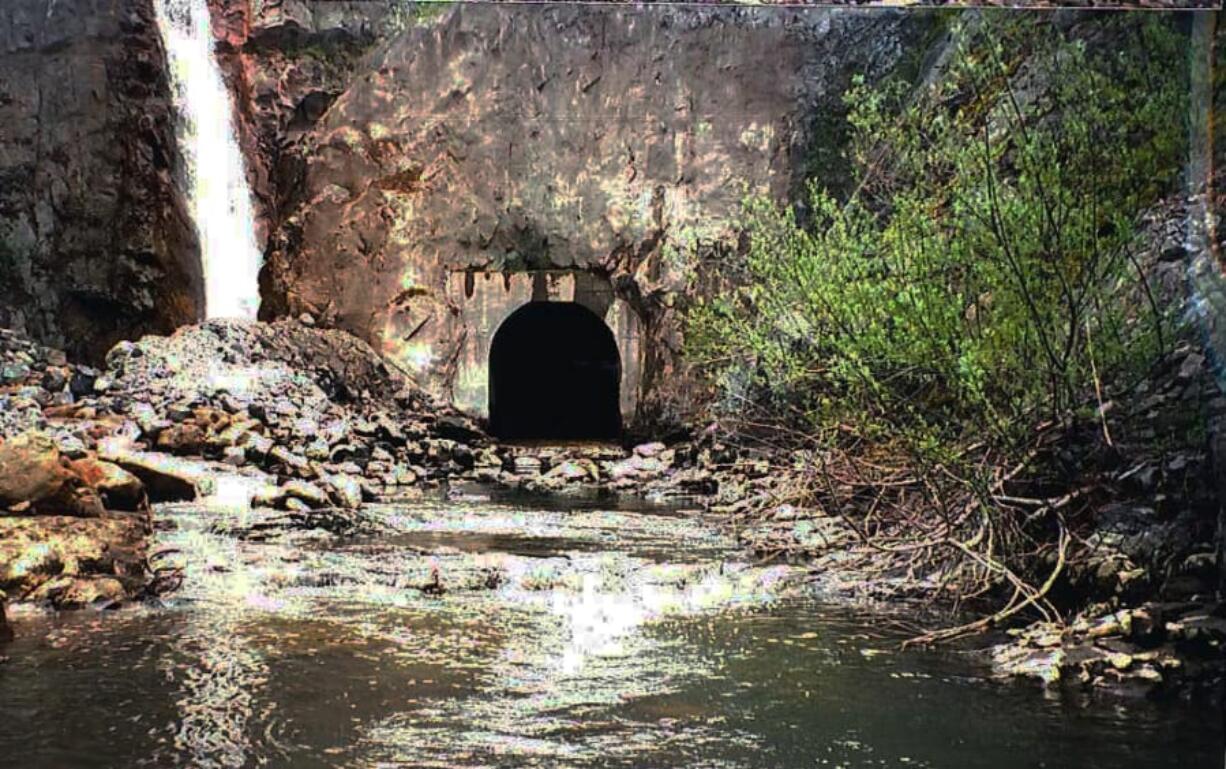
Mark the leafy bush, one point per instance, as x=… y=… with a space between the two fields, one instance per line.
x=982 y=274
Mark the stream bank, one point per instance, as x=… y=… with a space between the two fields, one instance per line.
x=307 y=428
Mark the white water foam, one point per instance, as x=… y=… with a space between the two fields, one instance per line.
x=217 y=189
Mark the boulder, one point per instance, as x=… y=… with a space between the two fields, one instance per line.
x=32 y=471
x=36 y=478
x=345 y=491
x=117 y=488
x=185 y=438
x=575 y=470
x=308 y=493
x=166 y=478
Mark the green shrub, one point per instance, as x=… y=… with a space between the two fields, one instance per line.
x=982 y=275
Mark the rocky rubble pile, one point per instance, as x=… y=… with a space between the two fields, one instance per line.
x=310 y=418
x=33 y=377
x=314 y=416
x=1137 y=649
x=649 y=469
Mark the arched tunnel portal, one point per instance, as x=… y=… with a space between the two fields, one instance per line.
x=554 y=373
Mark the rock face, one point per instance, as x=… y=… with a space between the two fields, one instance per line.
x=285 y=62
x=422 y=178
x=95 y=244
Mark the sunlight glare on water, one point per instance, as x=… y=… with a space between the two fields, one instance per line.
x=573 y=636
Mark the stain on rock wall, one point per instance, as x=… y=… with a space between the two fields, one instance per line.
x=95 y=241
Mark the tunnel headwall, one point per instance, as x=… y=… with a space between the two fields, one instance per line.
x=604 y=151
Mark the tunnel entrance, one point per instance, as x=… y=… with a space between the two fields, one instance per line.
x=555 y=374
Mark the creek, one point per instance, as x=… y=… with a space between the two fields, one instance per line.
x=485 y=631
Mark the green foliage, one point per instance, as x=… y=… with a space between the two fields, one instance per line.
x=982 y=274
x=406 y=14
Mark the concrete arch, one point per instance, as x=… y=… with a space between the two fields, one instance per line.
x=485 y=300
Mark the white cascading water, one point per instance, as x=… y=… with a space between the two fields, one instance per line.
x=217 y=188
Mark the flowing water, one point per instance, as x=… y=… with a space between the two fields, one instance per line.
x=479 y=632
x=217 y=190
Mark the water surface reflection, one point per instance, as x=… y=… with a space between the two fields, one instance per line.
x=490 y=634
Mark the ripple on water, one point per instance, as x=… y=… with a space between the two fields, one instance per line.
x=582 y=637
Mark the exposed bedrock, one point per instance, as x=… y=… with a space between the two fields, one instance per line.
x=422 y=176
x=95 y=241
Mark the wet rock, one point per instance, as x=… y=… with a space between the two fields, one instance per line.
x=307 y=493
x=345 y=491
x=166 y=478
x=70 y=593
x=118 y=488
x=38 y=551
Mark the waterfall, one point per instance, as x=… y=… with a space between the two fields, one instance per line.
x=217 y=191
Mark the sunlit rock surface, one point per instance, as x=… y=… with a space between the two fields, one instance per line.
x=70 y=562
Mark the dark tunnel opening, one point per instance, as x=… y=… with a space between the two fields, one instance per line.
x=554 y=373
